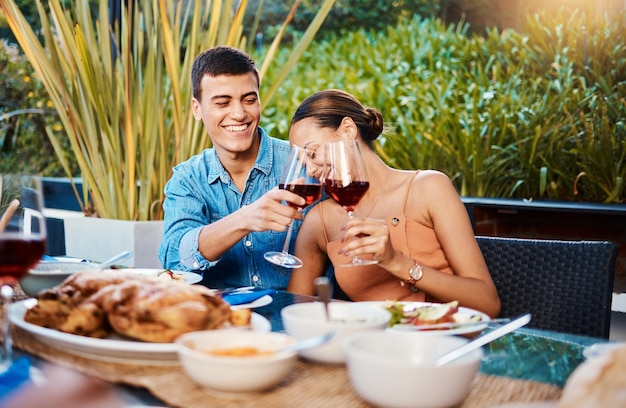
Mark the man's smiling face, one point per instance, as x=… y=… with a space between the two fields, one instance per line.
x=230 y=109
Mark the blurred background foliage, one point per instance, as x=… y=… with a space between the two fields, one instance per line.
x=25 y=110
x=510 y=98
x=345 y=16
x=536 y=112
x=118 y=80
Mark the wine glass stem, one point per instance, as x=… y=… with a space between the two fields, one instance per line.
x=7 y=347
x=287 y=239
x=356 y=258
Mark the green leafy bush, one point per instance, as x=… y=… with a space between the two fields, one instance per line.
x=537 y=113
x=526 y=114
x=345 y=16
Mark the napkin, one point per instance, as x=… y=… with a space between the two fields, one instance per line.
x=239 y=298
x=15 y=376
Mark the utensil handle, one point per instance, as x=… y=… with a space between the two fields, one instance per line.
x=6 y=217
x=311 y=342
x=322 y=287
x=112 y=260
x=482 y=340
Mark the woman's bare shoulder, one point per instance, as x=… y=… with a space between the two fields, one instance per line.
x=431 y=174
x=428 y=179
x=434 y=190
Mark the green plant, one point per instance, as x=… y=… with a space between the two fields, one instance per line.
x=497 y=113
x=345 y=16
x=123 y=96
x=535 y=113
x=25 y=110
x=600 y=154
x=29 y=9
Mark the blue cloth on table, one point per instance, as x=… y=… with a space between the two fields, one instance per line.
x=17 y=374
x=240 y=298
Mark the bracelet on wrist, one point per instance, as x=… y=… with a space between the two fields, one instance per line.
x=415 y=274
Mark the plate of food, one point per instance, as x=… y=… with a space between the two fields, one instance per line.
x=434 y=318
x=165 y=274
x=124 y=317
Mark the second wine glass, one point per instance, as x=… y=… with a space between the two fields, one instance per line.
x=22 y=242
x=297 y=179
x=346 y=181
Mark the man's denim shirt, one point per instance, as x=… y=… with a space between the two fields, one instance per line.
x=201 y=192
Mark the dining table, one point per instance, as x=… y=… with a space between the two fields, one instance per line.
x=527 y=365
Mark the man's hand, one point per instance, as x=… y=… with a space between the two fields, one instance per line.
x=269 y=212
x=266 y=213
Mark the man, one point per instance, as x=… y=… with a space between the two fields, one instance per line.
x=222 y=210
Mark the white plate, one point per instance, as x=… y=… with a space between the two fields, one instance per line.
x=190 y=277
x=114 y=348
x=460 y=330
x=262 y=301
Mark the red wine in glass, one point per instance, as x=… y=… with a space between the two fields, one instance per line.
x=310 y=192
x=346 y=180
x=19 y=254
x=22 y=242
x=297 y=179
x=347 y=196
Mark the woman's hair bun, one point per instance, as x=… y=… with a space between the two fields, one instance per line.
x=375 y=123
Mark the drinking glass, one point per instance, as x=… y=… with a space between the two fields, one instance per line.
x=297 y=179
x=346 y=180
x=22 y=242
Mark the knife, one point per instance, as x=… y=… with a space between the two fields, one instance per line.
x=484 y=339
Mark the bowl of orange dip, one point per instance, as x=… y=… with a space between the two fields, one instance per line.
x=237 y=361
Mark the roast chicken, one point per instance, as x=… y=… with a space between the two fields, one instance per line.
x=95 y=303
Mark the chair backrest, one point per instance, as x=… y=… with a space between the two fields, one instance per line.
x=566 y=285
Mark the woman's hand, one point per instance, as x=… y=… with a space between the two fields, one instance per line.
x=368 y=236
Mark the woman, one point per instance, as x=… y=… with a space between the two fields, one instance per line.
x=412 y=222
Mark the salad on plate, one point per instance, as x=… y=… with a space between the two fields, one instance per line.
x=435 y=316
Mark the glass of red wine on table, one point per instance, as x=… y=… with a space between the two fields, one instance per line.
x=346 y=180
x=22 y=242
x=297 y=179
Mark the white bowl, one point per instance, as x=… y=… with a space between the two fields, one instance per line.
x=396 y=369
x=50 y=274
x=304 y=320
x=236 y=374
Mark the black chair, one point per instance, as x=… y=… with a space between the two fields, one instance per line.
x=566 y=285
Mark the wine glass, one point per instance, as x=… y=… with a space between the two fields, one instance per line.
x=296 y=179
x=22 y=242
x=346 y=180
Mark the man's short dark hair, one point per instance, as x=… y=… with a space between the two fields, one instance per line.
x=221 y=60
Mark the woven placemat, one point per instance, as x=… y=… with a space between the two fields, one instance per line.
x=309 y=385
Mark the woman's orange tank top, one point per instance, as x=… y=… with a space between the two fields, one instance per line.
x=371 y=282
